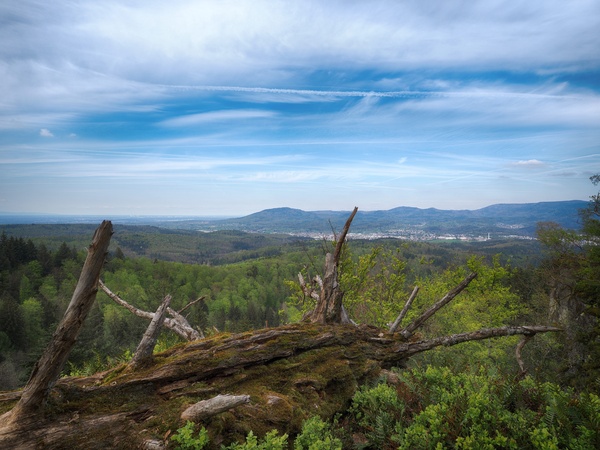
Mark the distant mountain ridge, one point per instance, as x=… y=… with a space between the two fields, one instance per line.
x=495 y=221
x=517 y=220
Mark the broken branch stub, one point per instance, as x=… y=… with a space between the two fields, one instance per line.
x=404 y=311
x=143 y=353
x=213 y=406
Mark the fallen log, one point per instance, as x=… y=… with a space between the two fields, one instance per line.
x=290 y=374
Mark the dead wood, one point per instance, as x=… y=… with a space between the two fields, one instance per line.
x=176 y=323
x=524 y=340
x=404 y=311
x=213 y=406
x=48 y=368
x=410 y=329
x=329 y=304
x=288 y=372
x=143 y=353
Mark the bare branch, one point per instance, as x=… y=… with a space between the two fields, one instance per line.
x=411 y=348
x=199 y=299
x=404 y=310
x=177 y=323
x=119 y=301
x=182 y=327
x=410 y=329
x=524 y=340
x=47 y=369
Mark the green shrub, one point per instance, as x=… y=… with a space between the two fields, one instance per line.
x=475 y=410
x=186 y=439
x=316 y=435
x=271 y=441
x=377 y=410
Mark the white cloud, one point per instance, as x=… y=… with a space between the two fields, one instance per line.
x=267 y=41
x=530 y=163
x=45 y=132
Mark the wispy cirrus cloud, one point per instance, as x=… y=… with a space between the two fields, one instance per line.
x=217 y=116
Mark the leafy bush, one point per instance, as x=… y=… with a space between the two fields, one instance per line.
x=186 y=439
x=377 y=410
x=474 y=410
x=316 y=435
x=271 y=441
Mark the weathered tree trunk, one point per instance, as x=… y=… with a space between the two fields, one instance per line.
x=143 y=353
x=329 y=305
x=48 y=368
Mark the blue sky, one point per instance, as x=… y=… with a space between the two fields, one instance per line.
x=230 y=107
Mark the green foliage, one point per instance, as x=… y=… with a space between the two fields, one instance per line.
x=188 y=439
x=440 y=408
x=271 y=441
x=377 y=410
x=487 y=302
x=97 y=363
x=572 y=271
x=373 y=285
x=316 y=435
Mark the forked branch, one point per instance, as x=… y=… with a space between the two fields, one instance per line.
x=177 y=323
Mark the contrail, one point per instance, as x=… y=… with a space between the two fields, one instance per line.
x=380 y=94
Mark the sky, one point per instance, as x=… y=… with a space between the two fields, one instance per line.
x=229 y=107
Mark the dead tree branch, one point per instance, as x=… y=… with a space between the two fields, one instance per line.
x=402 y=314
x=143 y=353
x=177 y=323
x=409 y=349
x=48 y=368
x=524 y=340
x=410 y=329
x=342 y=238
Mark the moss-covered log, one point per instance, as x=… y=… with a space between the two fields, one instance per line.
x=290 y=374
